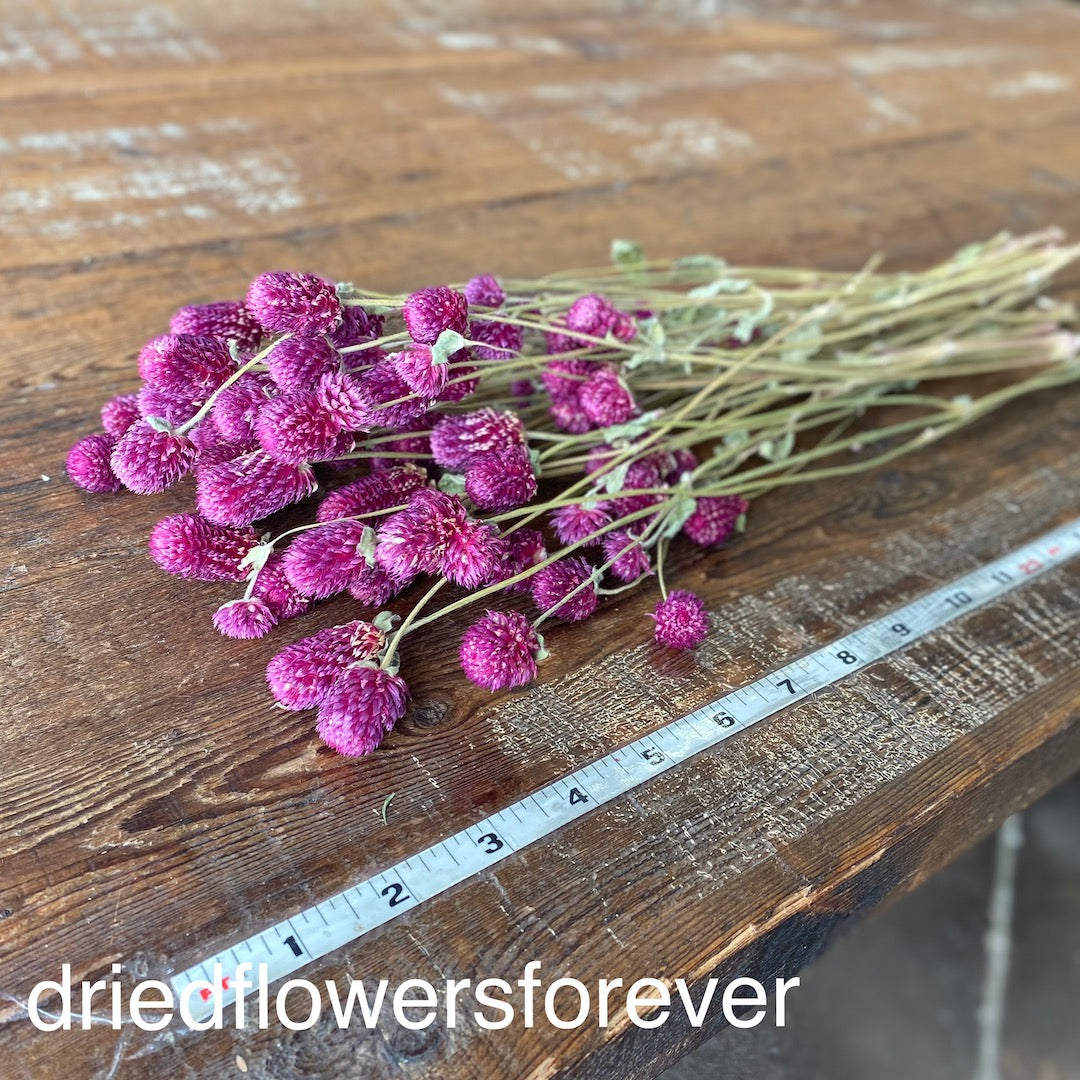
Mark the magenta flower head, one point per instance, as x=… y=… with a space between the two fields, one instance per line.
x=173 y=408
x=566 y=588
x=631 y=560
x=227 y=321
x=88 y=464
x=570 y=417
x=244 y=619
x=518 y=551
x=356 y=327
x=473 y=555
x=415 y=540
x=296 y=427
x=236 y=408
x=297 y=363
x=381 y=386
x=378 y=491
x=484 y=291
x=373 y=586
x=322 y=561
x=150 y=458
x=578 y=520
x=681 y=620
x=683 y=461
x=606 y=400
x=417 y=369
x=192 y=547
x=500 y=651
x=302 y=673
x=714 y=519
x=279 y=594
x=180 y=364
x=360 y=708
x=456 y=439
x=119 y=413
x=501 y=480
x=342 y=395
x=429 y=312
x=563 y=379
x=300 y=304
x=497 y=341
x=250 y=487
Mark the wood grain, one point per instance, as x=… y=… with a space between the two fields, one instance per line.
x=153 y=807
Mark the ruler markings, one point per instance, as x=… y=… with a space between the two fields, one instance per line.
x=569 y=798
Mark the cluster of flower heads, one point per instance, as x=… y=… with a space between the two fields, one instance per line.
x=302 y=388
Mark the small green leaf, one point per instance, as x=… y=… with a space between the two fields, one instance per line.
x=452 y=483
x=778 y=449
x=257 y=556
x=448 y=343
x=386 y=806
x=613 y=481
x=366 y=547
x=384 y=621
x=541 y=653
x=627 y=255
x=682 y=507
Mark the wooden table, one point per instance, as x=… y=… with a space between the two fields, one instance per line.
x=155 y=807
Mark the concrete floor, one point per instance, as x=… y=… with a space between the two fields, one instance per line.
x=900 y=997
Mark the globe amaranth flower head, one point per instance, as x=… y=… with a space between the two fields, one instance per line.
x=373 y=586
x=119 y=413
x=151 y=457
x=629 y=559
x=252 y=486
x=297 y=363
x=457 y=438
x=292 y=303
x=714 y=519
x=236 y=408
x=681 y=620
x=416 y=368
x=500 y=651
x=497 y=340
x=377 y=491
x=473 y=555
x=415 y=540
x=226 y=320
x=296 y=427
x=484 y=291
x=428 y=312
x=566 y=589
x=244 y=619
x=89 y=466
x=520 y=550
x=302 y=673
x=606 y=400
x=360 y=708
x=192 y=547
x=274 y=589
x=576 y=521
x=181 y=364
x=356 y=327
x=323 y=561
x=501 y=479
x=390 y=401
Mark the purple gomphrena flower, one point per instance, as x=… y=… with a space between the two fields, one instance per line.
x=473 y=555
x=558 y=342
x=296 y=427
x=714 y=519
x=523 y=390
x=647 y=472
x=683 y=461
x=606 y=400
x=175 y=409
x=563 y=379
x=183 y=365
x=250 y=487
x=578 y=520
x=302 y=673
x=518 y=551
x=484 y=291
x=301 y=304
x=119 y=413
x=360 y=708
x=624 y=328
x=497 y=340
x=463 y=378
x=244 y=619
x=552 y=586
x=569 y=416
x=499 y=652
x=501 y=480
x=356 y=327
x=598 y=456
x=681 y=620
x=226 y=320
x=417 y=368
x=456 y=439
x=148 y=459
x=212 y=452
x=429 y=312
x=381 y=385
x=88 y=464
x=192 y=547
x=592 y=314
x=237 y=407
x=322 y=561
x=297 y=363
x=378 y=491
x=415 y=540
x=372 y=586
x=279 y=594
x=631 y=560
x=342 y=395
